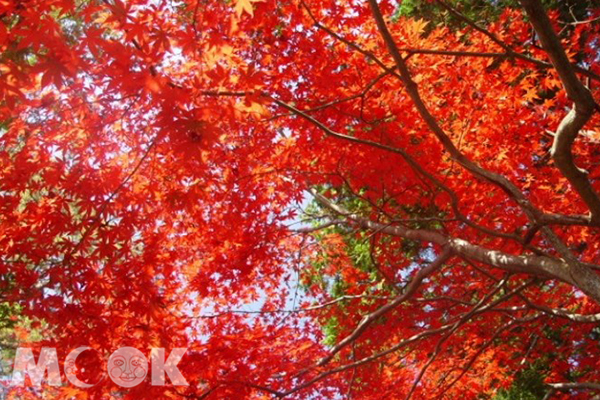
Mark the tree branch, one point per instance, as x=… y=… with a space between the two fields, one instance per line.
x=410 y=289
x=529 y=264
x=509 y=50
x=574 y=386
x=582 y=111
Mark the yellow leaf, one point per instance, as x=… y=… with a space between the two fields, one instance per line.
x=245 y=5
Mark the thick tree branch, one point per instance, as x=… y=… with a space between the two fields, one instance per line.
x=575 y=386
x=582 y=111
x=529 y=264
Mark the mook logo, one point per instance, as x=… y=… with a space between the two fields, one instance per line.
x=127 y=367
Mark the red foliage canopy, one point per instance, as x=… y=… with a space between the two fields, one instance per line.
x=158 y=158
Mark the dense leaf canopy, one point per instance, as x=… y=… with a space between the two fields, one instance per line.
x=319 y=199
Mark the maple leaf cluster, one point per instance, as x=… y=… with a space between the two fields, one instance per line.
x=319 y=199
